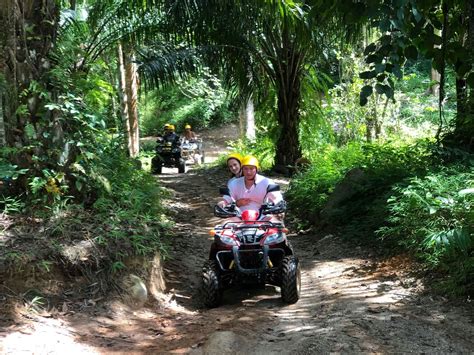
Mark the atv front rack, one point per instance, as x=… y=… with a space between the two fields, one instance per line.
x=262 y=259
x=250 y=224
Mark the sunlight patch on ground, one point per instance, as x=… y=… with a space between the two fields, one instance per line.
x=346 y=293
x=50 y=336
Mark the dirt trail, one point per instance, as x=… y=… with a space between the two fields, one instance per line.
x=350 y=302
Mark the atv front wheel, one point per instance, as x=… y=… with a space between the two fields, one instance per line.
x=211 y=290
x=290 y=279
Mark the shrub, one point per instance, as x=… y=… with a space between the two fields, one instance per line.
x=434 y=218
x=384 y=164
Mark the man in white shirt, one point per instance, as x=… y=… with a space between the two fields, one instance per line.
x=250 y=190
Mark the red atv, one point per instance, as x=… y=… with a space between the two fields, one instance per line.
x=251 y=249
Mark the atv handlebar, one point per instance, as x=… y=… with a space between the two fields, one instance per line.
x=226 y=211
x=232 y=211
x=271 y=208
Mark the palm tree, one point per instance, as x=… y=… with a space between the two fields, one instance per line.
x=23 y=63
x=260 y=45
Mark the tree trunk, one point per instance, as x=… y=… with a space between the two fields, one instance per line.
x=123 y=97
x=463 y=135
x=242 y=121
x=288 y=149
x=435 y=78
x=2 y=122
x=247 y=121
x=250 y=121
x=23 y=61
x=131 y=83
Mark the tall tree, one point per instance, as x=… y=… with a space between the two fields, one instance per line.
x=129 y=96
x=273 y=43
x=29 y=30
x=441 y=30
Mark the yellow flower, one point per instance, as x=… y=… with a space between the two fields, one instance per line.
x=51 y=187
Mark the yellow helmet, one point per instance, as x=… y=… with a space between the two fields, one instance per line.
x=166 y=126
x=251 y=161
x=236 y=156
x=172 y=127
x=187 y=126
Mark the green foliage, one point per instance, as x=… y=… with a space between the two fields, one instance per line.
x=123 y=185
x=413 y=114
x=263 y=148
x=383 y=164
x=417 y=108
x=11 y=204
x=198 y=101
x=309 y=191
x=434 y=213
x=433 y=216
x=10 y=171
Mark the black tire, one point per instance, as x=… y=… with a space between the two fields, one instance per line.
x=156 y=165
x=211 y=288
x=203 y=157
x=290 y=279
x=182 y=167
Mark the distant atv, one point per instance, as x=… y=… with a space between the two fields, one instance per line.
x=168 y=154
x=251 y=249
x=192 y=152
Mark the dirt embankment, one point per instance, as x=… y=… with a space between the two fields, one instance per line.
x=350 y=302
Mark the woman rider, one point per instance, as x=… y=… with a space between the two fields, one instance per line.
x=234 y=165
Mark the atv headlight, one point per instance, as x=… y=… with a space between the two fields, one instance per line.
x=274 y=238
x=227 y=240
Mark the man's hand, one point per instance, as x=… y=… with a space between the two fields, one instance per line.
x=243 y=202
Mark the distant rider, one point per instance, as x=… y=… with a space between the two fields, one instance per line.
x=169 y=135
x=189 y=135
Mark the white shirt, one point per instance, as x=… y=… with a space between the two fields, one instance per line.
x=257 y=192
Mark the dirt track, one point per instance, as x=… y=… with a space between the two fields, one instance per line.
x=350 y=302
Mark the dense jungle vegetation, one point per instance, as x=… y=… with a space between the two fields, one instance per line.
x=368 y=105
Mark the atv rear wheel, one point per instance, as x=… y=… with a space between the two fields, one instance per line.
x=211 y=288
x=182 y=167
x=156 y=165
x=290 y=279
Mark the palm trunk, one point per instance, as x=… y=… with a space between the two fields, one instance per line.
x=250 y=121
x=23 y=60
x=131 y=83
x=122 y=90
x=288 y=149
x=247 y=121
